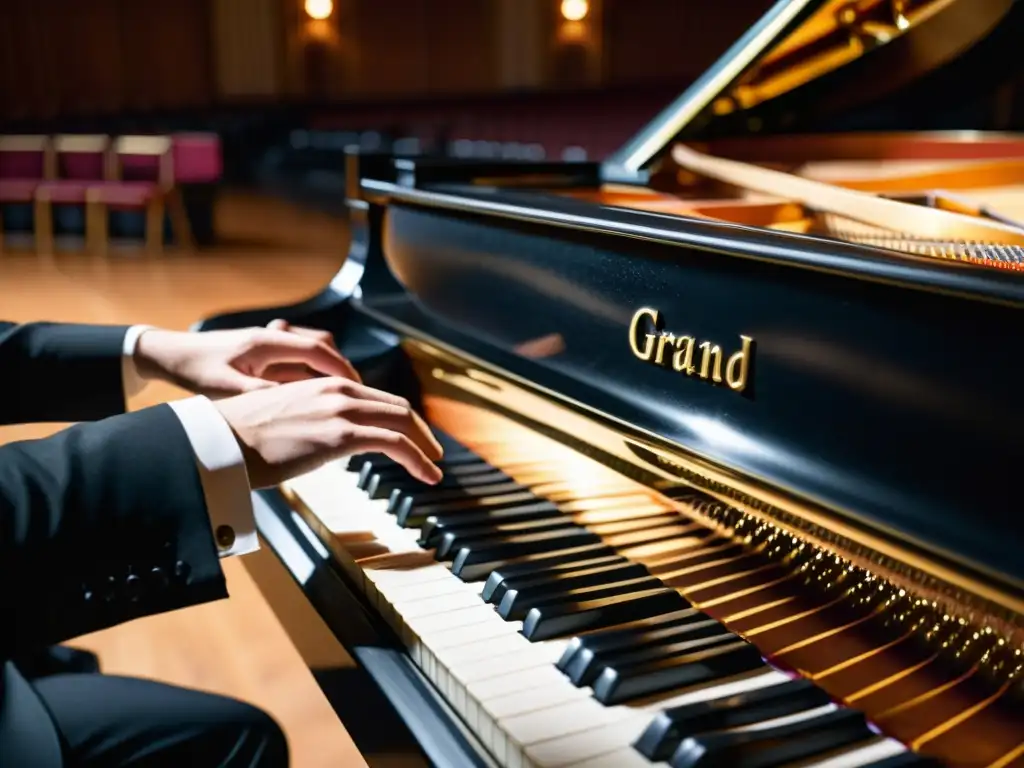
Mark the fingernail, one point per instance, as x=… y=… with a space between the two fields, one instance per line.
x=435 y=475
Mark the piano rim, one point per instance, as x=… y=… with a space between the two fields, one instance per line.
x=862 y=262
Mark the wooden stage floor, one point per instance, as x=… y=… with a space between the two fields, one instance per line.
x=272 y=254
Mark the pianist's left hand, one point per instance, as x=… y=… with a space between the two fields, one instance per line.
x=223 y=363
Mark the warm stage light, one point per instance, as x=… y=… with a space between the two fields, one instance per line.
x=574 y=10
x=321 y=9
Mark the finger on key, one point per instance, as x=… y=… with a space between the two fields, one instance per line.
x=394 y=445
x=373 y=413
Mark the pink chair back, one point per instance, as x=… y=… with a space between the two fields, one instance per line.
x=142 y=158
x=23 y=157
x=81 y=158
x=197 y=158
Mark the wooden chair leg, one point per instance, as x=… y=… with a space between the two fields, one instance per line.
x=44 y=227
x=179 y=221
x=155 y=226
x=97 y=230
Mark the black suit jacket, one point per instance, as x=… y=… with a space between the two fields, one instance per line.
x=100 y=524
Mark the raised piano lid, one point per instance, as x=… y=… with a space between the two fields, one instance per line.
x=823 y=65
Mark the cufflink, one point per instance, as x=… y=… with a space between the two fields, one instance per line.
x=225 y=535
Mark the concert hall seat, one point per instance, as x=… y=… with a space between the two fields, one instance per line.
x=140 y=176
x=24 y=162
x=198 y=162
x=80 y=162
x=196 y=158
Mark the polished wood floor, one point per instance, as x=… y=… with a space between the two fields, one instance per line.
x=271 y=254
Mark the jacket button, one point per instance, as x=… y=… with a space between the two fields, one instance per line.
x=133 y=587
x=158 y=577
x=182 y=572
x=109 y=589
x=87 y=593
x=225 y=537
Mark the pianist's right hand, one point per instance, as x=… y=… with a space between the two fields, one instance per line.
x=293 y=428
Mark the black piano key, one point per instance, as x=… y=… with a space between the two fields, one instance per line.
x=452 y=541
x=411 y=513
x=624 y=682
x=691 y=559
x=570 y=618
x=589 y=664
x=906 y=759
x=457 y=494
x=773 y=746
x=519 y=599
x=461 y=464
x=518 y=546
x=435 y=527
x=662 y=737
x=582 y=641
x=581 y=557
x=482 y=568
x=517 y=610
x=380 y=486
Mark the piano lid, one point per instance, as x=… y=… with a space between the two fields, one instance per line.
x=806 y=63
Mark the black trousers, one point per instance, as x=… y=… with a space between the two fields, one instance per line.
x=120 y=722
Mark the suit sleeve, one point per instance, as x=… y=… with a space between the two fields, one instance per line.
x=101 y=524
x=61 y=372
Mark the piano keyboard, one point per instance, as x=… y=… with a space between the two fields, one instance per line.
x=547 y=608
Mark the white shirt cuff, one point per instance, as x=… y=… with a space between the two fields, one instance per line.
x=132 y=382
x=223 y=475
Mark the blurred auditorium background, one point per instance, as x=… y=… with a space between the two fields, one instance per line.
x=167 y=160
x=284 y=85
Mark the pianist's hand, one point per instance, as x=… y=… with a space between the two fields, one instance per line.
x=221 y=363
x=293 y=428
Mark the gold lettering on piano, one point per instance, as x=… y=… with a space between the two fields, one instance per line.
x=706 y=360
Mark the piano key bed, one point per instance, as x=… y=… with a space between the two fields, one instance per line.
x=576 y=618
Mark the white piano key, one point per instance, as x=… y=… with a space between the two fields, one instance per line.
x=505 y=688
x=589 y=741
x=626 y=757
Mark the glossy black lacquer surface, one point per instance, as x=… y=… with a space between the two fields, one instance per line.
x=885 y=387
x=896 y=404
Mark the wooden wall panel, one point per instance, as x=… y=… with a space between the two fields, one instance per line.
x=390 y=47
x=247 y=48
x=166 y=44
x=102 y=56
x=649 y=40
x=462 y=52
x=373 y=49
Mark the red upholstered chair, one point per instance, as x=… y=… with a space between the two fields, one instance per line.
x=25 y=161
x=140 y=176
x=197 y=158
x=79 y=161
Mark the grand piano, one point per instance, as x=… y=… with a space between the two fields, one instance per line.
x=733 y=422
